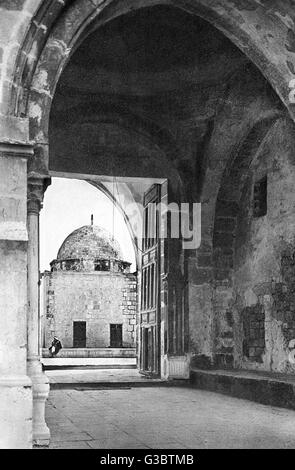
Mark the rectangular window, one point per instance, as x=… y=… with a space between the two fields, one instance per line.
x=153 y=303
x=260 y=198
x=148 y=287
x=150 y=228
x=146 y=221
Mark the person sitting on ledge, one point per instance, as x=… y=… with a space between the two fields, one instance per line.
x=55 y=347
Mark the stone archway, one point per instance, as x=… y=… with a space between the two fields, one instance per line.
x=62 y=27
x=233 y=26
x=30 y=74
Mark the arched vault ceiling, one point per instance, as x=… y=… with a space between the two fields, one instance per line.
x=150 y=51
x=50 y=30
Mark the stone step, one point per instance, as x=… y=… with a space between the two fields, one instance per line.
x=262 y=387
x=89 y=362
x=92 y=352
x=84 y=379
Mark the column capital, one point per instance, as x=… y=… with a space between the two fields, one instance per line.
x=37 y=185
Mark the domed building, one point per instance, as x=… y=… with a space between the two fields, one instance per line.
x=89 y=294
x=90 y=248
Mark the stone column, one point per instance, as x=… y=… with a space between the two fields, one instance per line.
x=15 y=385
x=40 y=383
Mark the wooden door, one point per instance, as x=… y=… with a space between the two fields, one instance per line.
x=150 y=275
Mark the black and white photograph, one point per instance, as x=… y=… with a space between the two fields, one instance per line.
x=147 y=228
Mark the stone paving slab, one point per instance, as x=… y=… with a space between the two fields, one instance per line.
x=93 y=378
x=164 y=417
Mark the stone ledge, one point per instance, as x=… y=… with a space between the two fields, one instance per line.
x=265 y=388
x=88 y=363
x=145 y=382
x=92 y=353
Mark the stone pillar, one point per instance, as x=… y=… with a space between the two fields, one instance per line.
x=15 y=385
x=40 y=383
x=201 y=314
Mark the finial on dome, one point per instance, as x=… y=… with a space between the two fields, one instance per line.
x=92 y=219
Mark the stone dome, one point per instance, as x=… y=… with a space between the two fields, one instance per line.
x=90 y=242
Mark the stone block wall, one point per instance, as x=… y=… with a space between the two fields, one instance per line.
x=256 y=289
x=15 y=385
x=254 y=332
x=98 y=298
x=129 y=307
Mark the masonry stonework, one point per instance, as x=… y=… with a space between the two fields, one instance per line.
x=98 y=298
x=208 y=104
x=254 y=311
x=89 y=283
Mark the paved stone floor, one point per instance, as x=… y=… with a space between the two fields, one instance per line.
x=164 y=417
x=79 y=375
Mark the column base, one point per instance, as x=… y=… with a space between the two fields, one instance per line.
x=175 y=367
x=40 y=387
x=15 y=412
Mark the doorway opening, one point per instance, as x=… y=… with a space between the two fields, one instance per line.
x=116 y=335
x=101 y=289
x=79 y=334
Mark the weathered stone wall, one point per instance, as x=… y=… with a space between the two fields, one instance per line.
x=246 y=103
x=254 y=300
x=98 y=298
x=15 y=385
